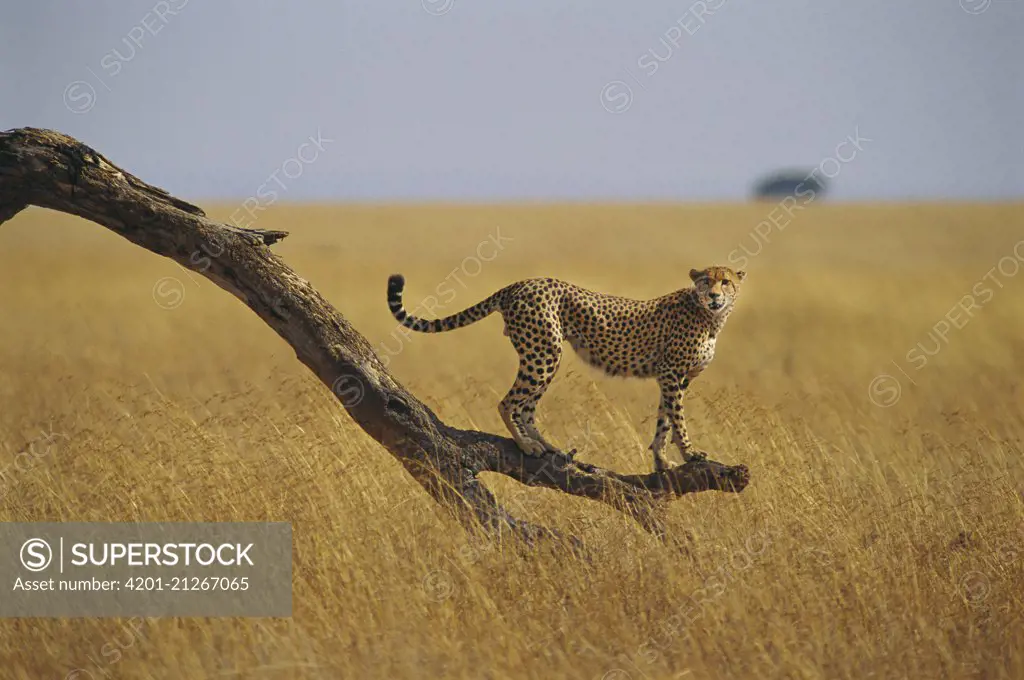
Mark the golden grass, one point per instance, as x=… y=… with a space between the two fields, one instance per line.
x=872 y=542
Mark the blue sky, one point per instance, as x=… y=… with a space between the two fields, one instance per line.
x=531 y=100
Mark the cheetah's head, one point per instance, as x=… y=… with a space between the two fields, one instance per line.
x=717 y=287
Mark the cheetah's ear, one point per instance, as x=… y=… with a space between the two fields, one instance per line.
x=695 y=274
x=741 y=275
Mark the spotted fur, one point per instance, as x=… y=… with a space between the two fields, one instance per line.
x=671 y=339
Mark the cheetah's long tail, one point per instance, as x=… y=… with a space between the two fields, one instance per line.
x=396 y=284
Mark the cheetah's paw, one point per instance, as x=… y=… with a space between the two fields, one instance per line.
x=532 y=448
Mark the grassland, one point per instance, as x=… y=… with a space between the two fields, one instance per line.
x=882 y=534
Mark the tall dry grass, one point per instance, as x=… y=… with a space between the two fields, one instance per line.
x=873 y=541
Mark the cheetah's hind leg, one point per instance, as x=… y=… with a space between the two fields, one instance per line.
x=537 y=367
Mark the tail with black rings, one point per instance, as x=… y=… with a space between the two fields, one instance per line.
x=396 y=286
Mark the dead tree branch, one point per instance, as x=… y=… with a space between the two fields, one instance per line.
x=52 y=170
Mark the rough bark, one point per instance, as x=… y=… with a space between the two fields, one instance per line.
x=52 y=170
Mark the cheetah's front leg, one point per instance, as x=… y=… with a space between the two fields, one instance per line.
x=679 y=436
x=661 y=430
x=670 y=417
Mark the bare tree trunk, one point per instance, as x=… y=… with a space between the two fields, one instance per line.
x=52 y=170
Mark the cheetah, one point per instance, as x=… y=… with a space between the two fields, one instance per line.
x=671 y=339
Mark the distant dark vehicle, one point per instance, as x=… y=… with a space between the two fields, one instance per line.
x=796 y=183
